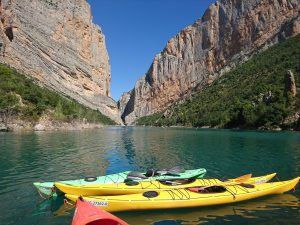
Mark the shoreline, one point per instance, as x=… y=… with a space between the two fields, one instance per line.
x=277 y=129
x=48 y=125
x=55 y=125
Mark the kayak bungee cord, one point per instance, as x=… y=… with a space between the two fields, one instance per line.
x=180 y=191
x=208 y=182
x=111 y=179
x=234 y=193
x=149 y=184
x=186 y=195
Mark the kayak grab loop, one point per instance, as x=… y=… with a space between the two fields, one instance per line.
x=90 y=179
x=150 y=194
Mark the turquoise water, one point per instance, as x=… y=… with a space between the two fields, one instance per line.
x=46 y=156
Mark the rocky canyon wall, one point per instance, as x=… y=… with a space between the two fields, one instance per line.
x=229 y=32
x=56 y=43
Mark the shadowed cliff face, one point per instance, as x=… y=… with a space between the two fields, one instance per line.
x=229 y=32
x=56 y=43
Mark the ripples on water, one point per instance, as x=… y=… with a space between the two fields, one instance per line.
x=29 y=157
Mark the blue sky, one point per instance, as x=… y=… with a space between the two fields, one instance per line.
x=136 y=30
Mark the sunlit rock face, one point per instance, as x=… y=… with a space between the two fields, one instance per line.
x=56 y=43
x=229 y=32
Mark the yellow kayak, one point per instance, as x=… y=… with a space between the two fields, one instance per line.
x=190 y=216
x=188 y=197
x=140 y=187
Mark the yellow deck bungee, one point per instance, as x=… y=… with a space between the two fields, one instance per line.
x=183 y=197
x=139 y=187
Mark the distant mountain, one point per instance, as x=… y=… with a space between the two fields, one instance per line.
x=262 y=93
x=229 y=33
x=56 y=43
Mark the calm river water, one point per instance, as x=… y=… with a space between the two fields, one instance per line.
x=47 y=156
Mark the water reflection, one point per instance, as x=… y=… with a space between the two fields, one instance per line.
x=54 y=205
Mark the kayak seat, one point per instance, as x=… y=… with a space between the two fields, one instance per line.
x=173 y=182
x=207 y=190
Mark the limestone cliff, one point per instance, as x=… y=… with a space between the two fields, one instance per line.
x=229 y=32
x=56 y=43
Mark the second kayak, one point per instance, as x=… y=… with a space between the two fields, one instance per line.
x=188 y=197
x=140 y=187
x=48 y=189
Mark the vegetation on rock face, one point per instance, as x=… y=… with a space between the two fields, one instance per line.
x=251 y=96
x=20 y=97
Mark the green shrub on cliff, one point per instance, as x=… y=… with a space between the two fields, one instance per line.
x=251 y=96
x=30 y=101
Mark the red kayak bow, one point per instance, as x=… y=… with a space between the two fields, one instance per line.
x=88 y=214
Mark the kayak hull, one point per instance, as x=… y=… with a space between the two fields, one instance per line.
x=47 y=188
x=183 y=198
x=123 y=188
